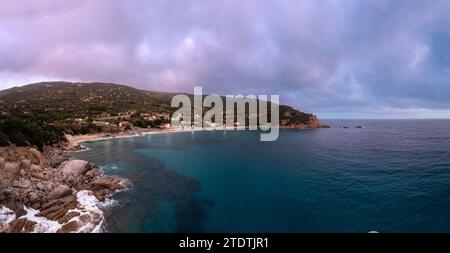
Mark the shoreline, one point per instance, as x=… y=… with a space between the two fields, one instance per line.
x=75 y=140
x=78 y=139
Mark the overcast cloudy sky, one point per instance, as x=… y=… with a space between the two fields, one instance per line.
x=335 y=58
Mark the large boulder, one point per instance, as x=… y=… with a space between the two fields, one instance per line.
x=11 y=169
x=105 y=186
x=75 y=168
x=59 y=191
x=107 y=183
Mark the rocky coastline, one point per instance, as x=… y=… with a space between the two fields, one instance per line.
x=50 y=191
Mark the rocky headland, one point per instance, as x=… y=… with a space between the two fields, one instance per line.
x=49 y=191
x=292 y=118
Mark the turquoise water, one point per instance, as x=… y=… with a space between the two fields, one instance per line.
x=390 y=176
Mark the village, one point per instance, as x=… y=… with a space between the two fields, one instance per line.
x=133 y=120
x=127 y=120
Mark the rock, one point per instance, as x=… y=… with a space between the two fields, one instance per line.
x=75 y=168
x=57 y=159
x=59 y=192
x=35 y=167
x=16 y=226
x=29 y=225
x=107 y=182
x=50 y=210
x=22 y=173
x=74 y=147
x=85 y=218
x=71 y=179
x=36 y=205
x=90 y=173
x=57 y=209
x=38 y=156
x=40 y=175
x=2 y=175
x=61 y=201
x=100 y=195
x=48 y=186
x=18 y=209
x=2 y=196
x=10 y=194
x=68 y=217
x=33 y=197
x=22 y=183
x=40 y=186
x=72 y=226
x=10 y=166
x=5 y=183
x=11 y=169
x=25 y=164
x=2 y=163
x=57 y=214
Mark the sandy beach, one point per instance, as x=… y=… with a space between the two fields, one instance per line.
x=75 y=140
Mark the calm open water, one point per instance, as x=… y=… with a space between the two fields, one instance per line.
x=390 y=176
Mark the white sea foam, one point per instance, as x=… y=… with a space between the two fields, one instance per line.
x=89 y=205
x=82 y=149
x=113 y=167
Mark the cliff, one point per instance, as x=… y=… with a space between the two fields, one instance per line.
x=292 y=118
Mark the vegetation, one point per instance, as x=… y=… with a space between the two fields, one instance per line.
x=22 y=132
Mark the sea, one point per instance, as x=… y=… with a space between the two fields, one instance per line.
x=356 y=176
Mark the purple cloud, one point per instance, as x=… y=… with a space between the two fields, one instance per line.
x=353 y=58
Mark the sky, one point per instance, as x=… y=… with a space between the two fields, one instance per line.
x=334 y=58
